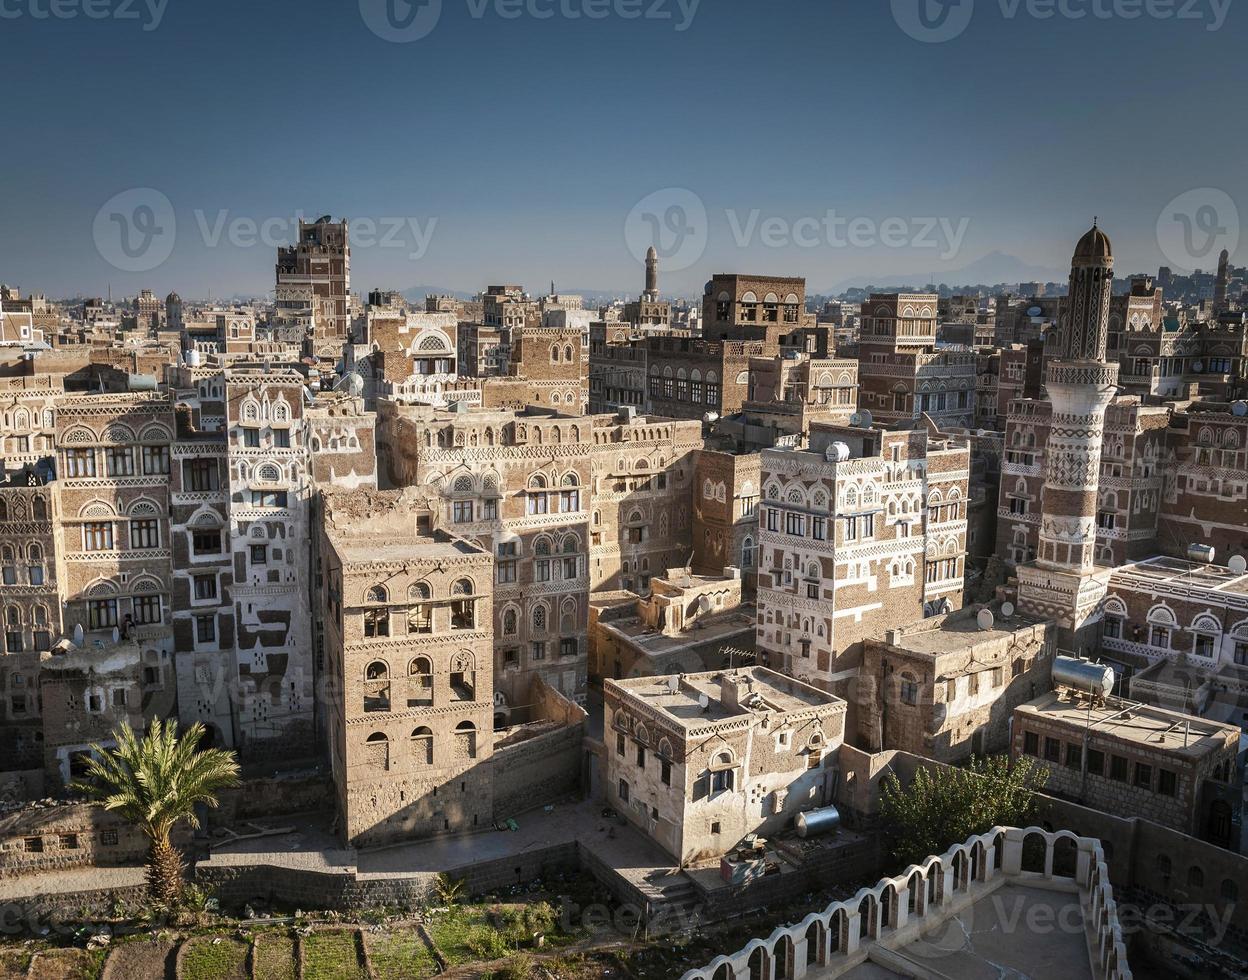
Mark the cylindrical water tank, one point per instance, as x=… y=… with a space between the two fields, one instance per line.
x=1083 y=675
x=1200 y=552
x=825 y=820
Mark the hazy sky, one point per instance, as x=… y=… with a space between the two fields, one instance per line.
x=529 y=140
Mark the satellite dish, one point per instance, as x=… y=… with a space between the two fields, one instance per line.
x=865 y=419
x=78 y=635
x=855 y=420
x=355 y=384
x=1198 y=366
x=985 y=619
x=1239 y=409
x=1035 y=311
x=1007 y=609
x=704 y=603
x=704 y=701
x=673 y=684
x=1238 y=564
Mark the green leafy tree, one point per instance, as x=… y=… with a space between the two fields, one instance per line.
x=943 y=806
x=155 y=782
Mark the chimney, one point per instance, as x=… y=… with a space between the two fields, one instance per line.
x=734 y=689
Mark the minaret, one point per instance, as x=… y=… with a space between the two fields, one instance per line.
x=652 y=275
x=1219 y=288
x=1063 y=583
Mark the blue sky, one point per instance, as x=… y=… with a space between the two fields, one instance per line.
x=516 y=148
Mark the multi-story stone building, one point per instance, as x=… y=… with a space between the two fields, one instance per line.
x=902 y=374
x=699 y=761
x=29 y=420
x=726 y=489
x=864 y=530
x=518 y=484
x=642 y=472
x=408 y=670
x=617 y=367
x=945 y=688
x=318 y=266
x=114 y=558
x=269 y=510
x=1135 y=760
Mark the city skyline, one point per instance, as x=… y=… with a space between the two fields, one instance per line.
x=520 y=176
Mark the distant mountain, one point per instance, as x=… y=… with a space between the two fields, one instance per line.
x=592 y=297
x=992 y=269
x=417 y=294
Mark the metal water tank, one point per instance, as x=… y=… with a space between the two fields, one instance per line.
x=825 y=820
x=1202 y=553
x=1083 y=675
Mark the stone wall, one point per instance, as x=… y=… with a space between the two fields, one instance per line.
x=546 y=767
x=267 y=886
x=67 y=836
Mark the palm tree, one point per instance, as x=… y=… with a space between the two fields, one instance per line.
x=155 y=782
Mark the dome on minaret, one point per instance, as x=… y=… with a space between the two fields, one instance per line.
x=1094 y=245
x=652 y=254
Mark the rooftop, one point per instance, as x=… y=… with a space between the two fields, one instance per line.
x=958 y=632
x=1189 y=574
x=695 y=699
x=1149 y=726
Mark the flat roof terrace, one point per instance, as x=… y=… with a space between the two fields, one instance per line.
x=1146 y=725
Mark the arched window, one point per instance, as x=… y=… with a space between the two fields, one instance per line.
x=420 y=682
x=377 y=686
x=539 y=619
x=376 y=622
x=466 y=739
x=377 y=594
x=747 y=553
x=422 y=746
x=463 y=610
x=377 y=750
x=463 y=677
x=509 y=622
x=1195 y=877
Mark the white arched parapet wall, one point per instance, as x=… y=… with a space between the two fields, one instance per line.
x=941 y=892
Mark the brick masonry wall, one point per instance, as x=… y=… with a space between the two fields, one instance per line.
x=537 y=771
